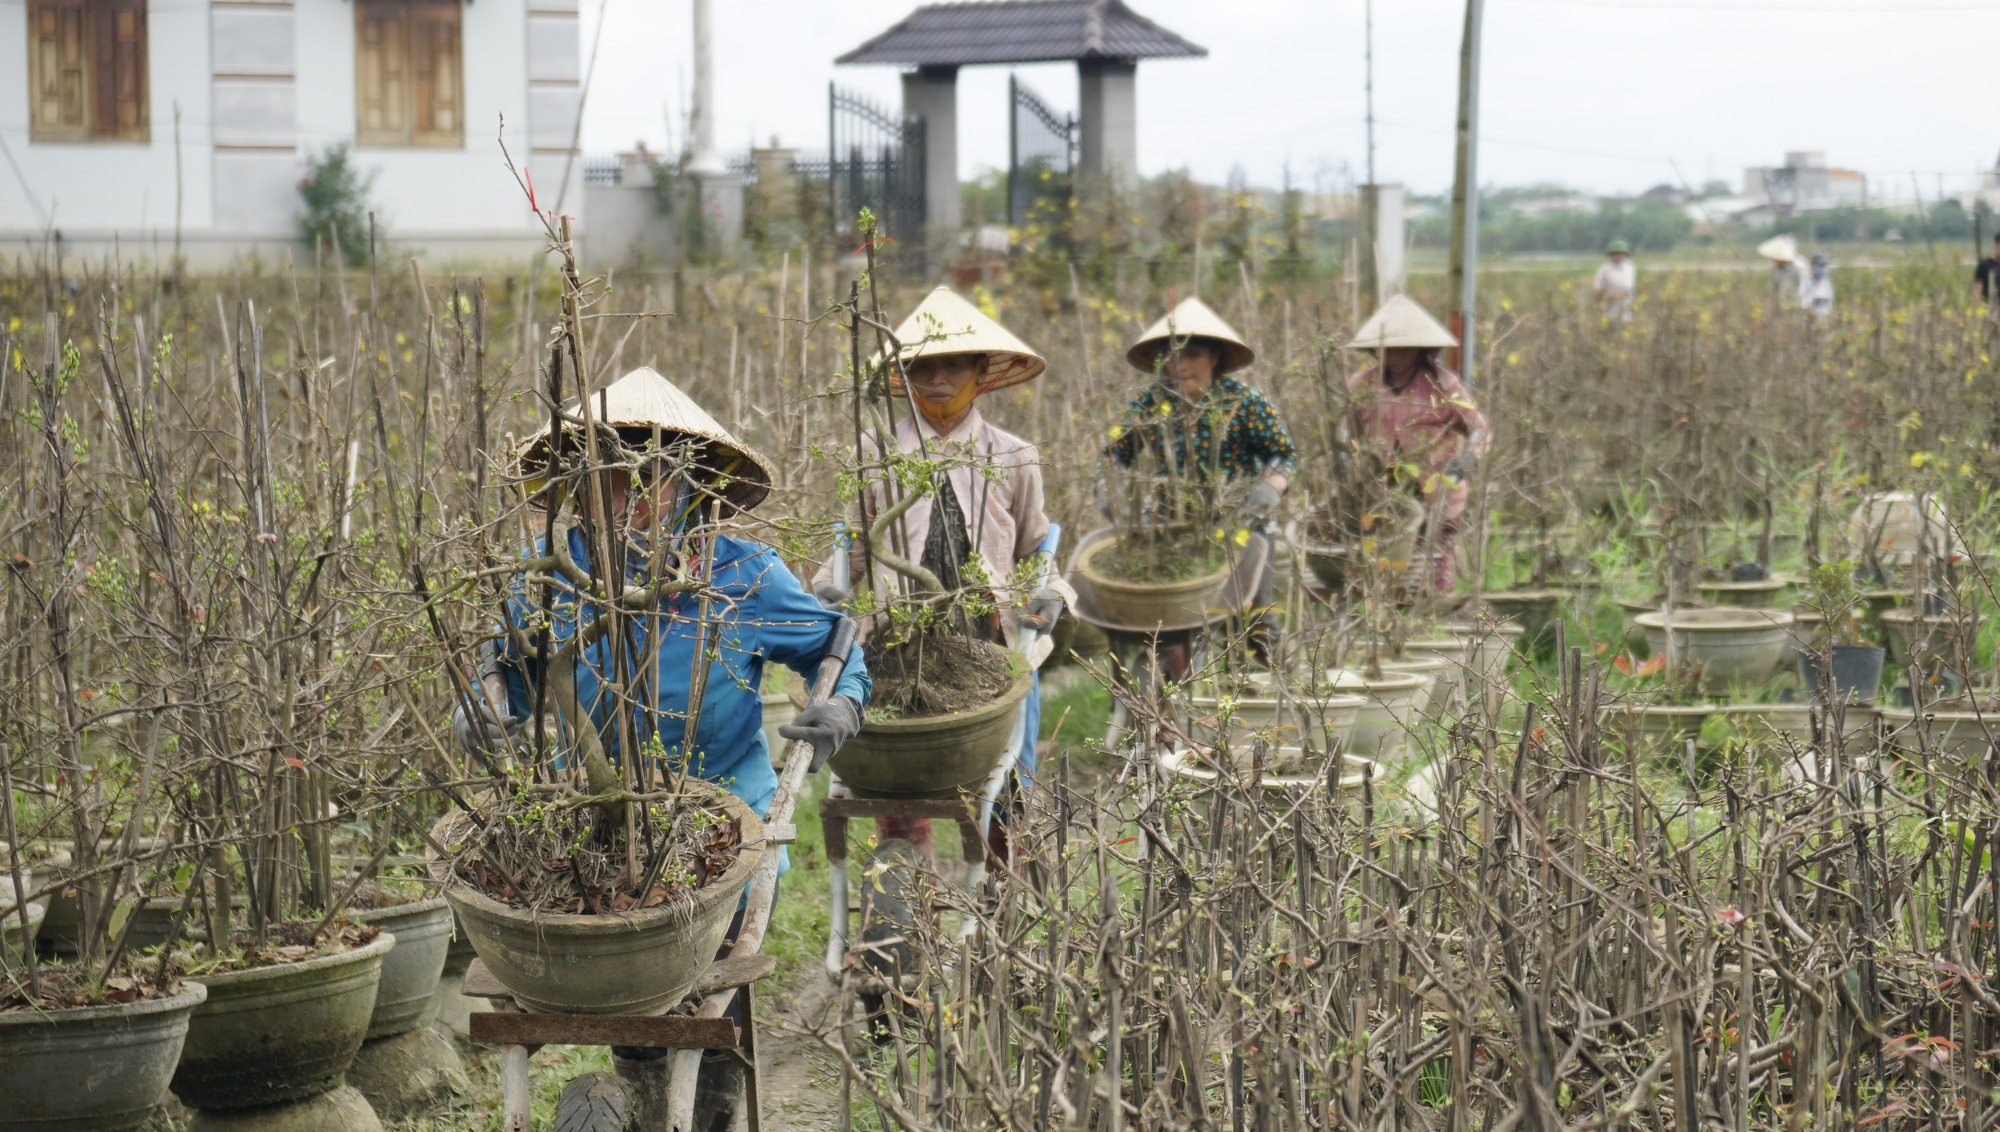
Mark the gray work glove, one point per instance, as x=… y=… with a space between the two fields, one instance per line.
x=1462 y=466
x=827 y=725
x=832 y=596
x=481 y=736
x=1044 y=606
x=1263 y=498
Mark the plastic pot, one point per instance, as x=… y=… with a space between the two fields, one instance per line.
x=403 y=1000
x=272 y=1035
x=641 y=961
x=1729 y=646
x=1856 y=672
x=932 y=754
x=94 y=1068
x=1146 y=605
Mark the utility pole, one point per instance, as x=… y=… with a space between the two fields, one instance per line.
x=1368 y=78
x=704 y=160
x=1465 y=193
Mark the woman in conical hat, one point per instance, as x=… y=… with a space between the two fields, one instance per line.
x=1191 y=353
x=1409 y=407
x=667 y=469
x=949 y=355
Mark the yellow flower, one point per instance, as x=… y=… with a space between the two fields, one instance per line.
x=1513 y=358
x=1117 y=431
x=1243 y=536
x=1917 y=459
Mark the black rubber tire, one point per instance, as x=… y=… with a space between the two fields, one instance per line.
x=595 y=1102
x=890 y=902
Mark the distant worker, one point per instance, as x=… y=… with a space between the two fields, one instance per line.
x=1986 y=276
x=1786 y=277
x=1616 y=282
x=1410 y=409
x=1816 y=292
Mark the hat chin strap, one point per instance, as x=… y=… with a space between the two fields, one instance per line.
x=948 y=412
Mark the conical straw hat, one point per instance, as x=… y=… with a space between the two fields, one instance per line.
x=1401 y=323
x=644 y=400
x=945 y=324
x=1191 y=319
x=1783 y=249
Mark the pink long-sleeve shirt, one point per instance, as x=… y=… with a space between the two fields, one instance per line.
x=1427 y=423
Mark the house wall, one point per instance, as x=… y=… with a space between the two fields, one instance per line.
x=262 y=85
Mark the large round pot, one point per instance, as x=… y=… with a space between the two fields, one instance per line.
x=1478 y=657
x=271 y=1035
x=1384 y=724
x=1924 y=639
x=1431 y=701
x=410 y=973
x=1659 y=726
x=1355 y=772
x=94 y=1068
x=1950 y=728
x=931 y=754
x=640 y=961
x=1144 y=605
x=1789 y=729
x=1324 y=719
x=1729 y=646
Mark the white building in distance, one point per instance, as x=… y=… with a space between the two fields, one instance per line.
x=126 y=122
x=1805 y=183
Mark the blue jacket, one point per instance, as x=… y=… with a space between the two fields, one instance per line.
x=762 y=614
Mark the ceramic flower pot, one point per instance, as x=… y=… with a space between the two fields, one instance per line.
x=1728 y=646
x=94 y=1068
x=932 y=754
x=640 y=961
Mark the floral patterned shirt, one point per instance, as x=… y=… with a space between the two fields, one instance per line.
x=1254 y=440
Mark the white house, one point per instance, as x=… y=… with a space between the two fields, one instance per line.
x=123 y=121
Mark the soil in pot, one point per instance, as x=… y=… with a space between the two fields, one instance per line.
x=628 y=958
x=1144 y=581
x=282 y=1021
x=94 y=1068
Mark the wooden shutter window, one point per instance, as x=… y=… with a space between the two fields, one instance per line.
x=120 y=69
x=87 y=71
x=409 y=78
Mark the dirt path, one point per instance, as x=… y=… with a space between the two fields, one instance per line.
x=801 y=1080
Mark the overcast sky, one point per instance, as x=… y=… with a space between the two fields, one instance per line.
x=1604 y=95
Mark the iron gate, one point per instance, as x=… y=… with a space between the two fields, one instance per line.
x=1041 y=153
x=874 y=160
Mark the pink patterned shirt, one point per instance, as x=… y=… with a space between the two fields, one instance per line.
x=1426 y=423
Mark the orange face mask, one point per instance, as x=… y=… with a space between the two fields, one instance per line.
x=942 y=413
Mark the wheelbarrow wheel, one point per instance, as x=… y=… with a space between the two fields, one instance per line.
x=595 y=1102
x=890 y=902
